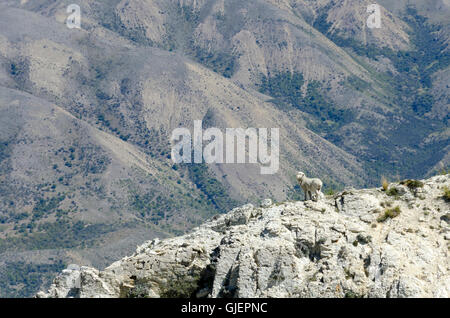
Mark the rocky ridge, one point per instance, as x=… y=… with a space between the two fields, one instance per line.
x=378 y=242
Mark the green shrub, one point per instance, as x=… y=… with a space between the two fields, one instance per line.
x=412 y=184
x=352 y=294
x=47 y=206
x=140 y=290
x=392 y=192
x=389 y=213
x=446 y=194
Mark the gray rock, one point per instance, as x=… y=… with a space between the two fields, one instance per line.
x=266 y=203
x=293 y=249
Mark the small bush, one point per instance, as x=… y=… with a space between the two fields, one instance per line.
x=446 y=194
x=392 y=192
x=139 y=291
x=352 y=294
x=412 y=184
x=389 y=213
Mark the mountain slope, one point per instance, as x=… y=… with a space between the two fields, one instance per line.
x=85 y=163
x=81 y=146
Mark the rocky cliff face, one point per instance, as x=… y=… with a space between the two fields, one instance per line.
x=357 y=243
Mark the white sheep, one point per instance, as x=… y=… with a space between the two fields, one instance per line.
x=310 y=186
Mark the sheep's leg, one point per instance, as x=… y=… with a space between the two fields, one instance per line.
x=304 y=191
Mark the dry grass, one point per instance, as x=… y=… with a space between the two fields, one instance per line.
x=384 y=183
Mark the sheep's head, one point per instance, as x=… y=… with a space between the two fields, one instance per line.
x=300 y=175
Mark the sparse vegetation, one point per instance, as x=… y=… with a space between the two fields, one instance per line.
x=46 y=206
x=286 y=88
x=222 y=63
x=352 y=294
x=20 y=279
x=389 y=214
x=410 y=89
x=392 y=192
x=139 y=290
x=59 y=234
x=211 y=187
x=412 y=184
x=446 y=194
x=357 y=83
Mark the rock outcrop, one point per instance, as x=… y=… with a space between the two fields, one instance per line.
x=357 y=243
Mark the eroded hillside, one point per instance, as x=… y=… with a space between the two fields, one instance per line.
x=86 y=114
